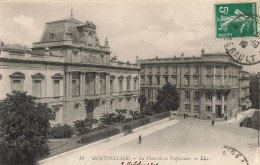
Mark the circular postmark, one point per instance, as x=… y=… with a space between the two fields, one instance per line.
x=244 y=50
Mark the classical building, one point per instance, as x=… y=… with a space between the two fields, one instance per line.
x=210 y=86
x=255 y=90
x=71 y=71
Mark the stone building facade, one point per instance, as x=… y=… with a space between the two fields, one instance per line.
x=254 y=81
x=71 y=71
x=209 y=85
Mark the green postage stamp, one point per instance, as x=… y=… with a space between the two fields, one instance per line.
x=236 y=20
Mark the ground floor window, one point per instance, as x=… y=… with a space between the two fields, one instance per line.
x=208 y=108
x=196 y=108
x=187 y=107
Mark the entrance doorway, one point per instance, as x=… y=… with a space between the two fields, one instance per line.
x=218 y=111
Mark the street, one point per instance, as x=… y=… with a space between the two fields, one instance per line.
x=186 y=141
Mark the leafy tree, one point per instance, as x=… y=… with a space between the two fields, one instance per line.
x=25 y=126
x=168 y=98
x=107 y=119
x=142 y=100
x=84 y=126
x=120 y=115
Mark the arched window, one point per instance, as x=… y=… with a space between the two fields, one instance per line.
x=17 y=79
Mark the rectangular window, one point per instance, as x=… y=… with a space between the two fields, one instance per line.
x=150 y=80
x=209 y=70
x=16 y=85
x=90 y=84
x=166 y=79
x=57 y=115
x=112 y=108
x=120 y=85
x=150 y=93
x=209 y=80
x=197 y=70
x=218 y=80
x=128 y=85
x=187 y=107
x=225 y=109
x=196 y=95
x=196 y=80
x=150 y=70
x=75 y=87
x=158 y=70
x=56 y=88
x=111 y=86
x=166 y=70
x=196 y=108
x=36 y=88
x=218 y=71
x=187 y=69
x=143 y=91
x=208 y=97
x=174 y=80
x=174 y=70
x=135 y=85
x=186 y=81
x=187 y=95
x=158 y=80
x=155 y=93
x=208 y=108
x=225 y=97
x=142 y=80
x=219 y=96
x=225 y=81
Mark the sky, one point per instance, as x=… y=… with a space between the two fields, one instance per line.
x=144 y=28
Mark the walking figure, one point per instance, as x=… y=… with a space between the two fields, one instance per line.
x=184 y=115
x=236 y=117
x=140 y=139
x=212 y=122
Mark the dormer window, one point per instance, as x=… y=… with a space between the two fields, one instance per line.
x=51 y=35
x=75 y=51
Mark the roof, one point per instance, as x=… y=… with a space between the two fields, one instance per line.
x=73 y=20
x=70 y=29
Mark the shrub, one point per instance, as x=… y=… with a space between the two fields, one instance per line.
x=81 y=127
x=61 y=131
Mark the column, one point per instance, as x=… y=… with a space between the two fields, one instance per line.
x=222 y=81
x=214 y=73
x=96 y=83
x=222 y=104
x=66 y=93
x=214 y=103
x=70 y=84
x=191 y=101
x=107 y=83
x=227 y=75
x=83 y=84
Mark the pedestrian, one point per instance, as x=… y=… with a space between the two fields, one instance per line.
x=236 y=117
x=184 y=115
x=140 y=139
x=212 y=122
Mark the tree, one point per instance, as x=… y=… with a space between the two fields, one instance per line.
x=107 y=119
x=168 y=98
x=120 y=115
x=25 y=126
x=142 y=100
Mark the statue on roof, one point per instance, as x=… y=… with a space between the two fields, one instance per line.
x=114 y=58
x=137 y=59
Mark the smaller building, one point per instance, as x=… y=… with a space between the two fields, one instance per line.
x=254 y=81
x=244 y=99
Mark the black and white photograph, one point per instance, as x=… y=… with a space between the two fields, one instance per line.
x=120 y=82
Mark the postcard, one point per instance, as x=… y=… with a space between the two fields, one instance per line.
x=130 y=82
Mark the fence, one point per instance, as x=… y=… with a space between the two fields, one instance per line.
x=121 y=128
